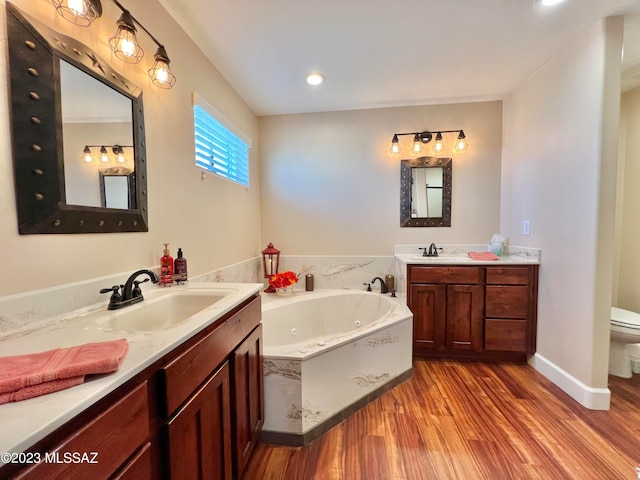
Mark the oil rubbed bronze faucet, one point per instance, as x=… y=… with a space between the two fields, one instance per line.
x=129 y=293
x=383 y=286
x=431 y=252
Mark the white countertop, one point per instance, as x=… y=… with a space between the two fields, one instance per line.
x=26 y=422
x=463 y=260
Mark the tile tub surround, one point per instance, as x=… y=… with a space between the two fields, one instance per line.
x=337 y=271
x=308 y=393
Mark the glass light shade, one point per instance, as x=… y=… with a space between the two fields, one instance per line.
x=160 y=73
x=395 y=147
x=124 y=43
x=86 y=151
x=438 y=146
x=461 y=143
x=79 y=12
x=104 y=156
x=416 y=148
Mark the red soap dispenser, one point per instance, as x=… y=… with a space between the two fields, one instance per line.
x=166 y=267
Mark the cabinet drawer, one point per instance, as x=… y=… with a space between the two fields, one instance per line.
x=445 y=275
x=183 y=375
x=507 y=301
x=114 y=435
x=505 y=335
x=507 y=275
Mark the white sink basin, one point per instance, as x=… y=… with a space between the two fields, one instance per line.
x=442 y=259
x=160 y=313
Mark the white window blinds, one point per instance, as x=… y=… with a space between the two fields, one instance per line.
x=218 y=149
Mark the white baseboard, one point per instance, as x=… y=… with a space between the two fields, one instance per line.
x=589 y=397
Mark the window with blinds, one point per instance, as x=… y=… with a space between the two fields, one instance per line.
x=218 y=149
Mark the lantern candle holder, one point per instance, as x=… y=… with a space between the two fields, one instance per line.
x=270 y=264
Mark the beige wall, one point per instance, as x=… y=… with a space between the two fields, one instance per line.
x=216 y=223
x=559 y=168
x=329 y=186
x=628 y=287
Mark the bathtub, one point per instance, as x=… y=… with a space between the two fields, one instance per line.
x=326 y=354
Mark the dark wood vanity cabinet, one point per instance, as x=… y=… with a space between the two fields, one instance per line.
x=476 y=312
x=196 y=413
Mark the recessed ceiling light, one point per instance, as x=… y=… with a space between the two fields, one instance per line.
x=547 y=3
x=315 y=79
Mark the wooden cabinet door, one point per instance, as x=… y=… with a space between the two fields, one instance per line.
x=429 y=307
x=465 y=309
x=199 y=435
x=248 y=386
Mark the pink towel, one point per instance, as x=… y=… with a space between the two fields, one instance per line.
x=26 y=376
x=483 y=255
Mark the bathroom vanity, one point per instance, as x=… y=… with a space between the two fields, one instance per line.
x=194 y=411
x=484 y=311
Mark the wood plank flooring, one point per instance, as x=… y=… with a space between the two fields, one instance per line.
x=456 y=420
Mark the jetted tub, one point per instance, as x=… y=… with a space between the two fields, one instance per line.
x=326 y=354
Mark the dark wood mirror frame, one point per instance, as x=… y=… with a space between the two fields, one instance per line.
x=35 y=52
x=405 y=192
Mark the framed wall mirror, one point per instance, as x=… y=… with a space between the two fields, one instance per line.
x=425 y=192
x=75 y=122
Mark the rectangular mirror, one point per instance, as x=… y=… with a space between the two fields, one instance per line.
x=64 y=98
x=425 y=192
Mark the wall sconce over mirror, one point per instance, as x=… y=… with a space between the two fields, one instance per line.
x=124 y=43
x=422 y=138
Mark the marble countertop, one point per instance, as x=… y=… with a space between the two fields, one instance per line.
x=464 y=260
x=28 y=421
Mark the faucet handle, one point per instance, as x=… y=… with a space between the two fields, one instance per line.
x=115 y=295
x=424 y=251
x=137 y=292
x=368 y=286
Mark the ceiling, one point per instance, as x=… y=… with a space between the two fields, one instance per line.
x=383 y=53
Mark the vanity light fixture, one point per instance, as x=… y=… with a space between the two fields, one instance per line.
x=124 y=44
x=420 y=138
x=160 y=73
x=118 y=151
x=79 y=12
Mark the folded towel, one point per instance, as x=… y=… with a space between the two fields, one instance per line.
x=26 y=376
x=483 y=255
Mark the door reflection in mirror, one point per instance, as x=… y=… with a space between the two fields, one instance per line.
x=93 y=114
x=426 y=192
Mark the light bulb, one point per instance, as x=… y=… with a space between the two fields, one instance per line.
x=104 y=157
x=124 y=43
x=438 y=146
x=160 y=73
x=76 y=6
x=461 y=143
x=87 y=154
x=395 y=148
x=417 y=144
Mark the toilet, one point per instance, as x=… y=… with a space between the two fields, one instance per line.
x=625 y=332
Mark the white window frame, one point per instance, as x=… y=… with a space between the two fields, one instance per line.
x=232 y=163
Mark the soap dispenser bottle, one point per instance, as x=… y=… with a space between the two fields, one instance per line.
x=180 y=268
x=166 y=267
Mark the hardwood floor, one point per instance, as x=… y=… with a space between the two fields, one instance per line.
x=455 y=420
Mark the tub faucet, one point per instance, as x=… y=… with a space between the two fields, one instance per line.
x=129 y=293
x=383 y=286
